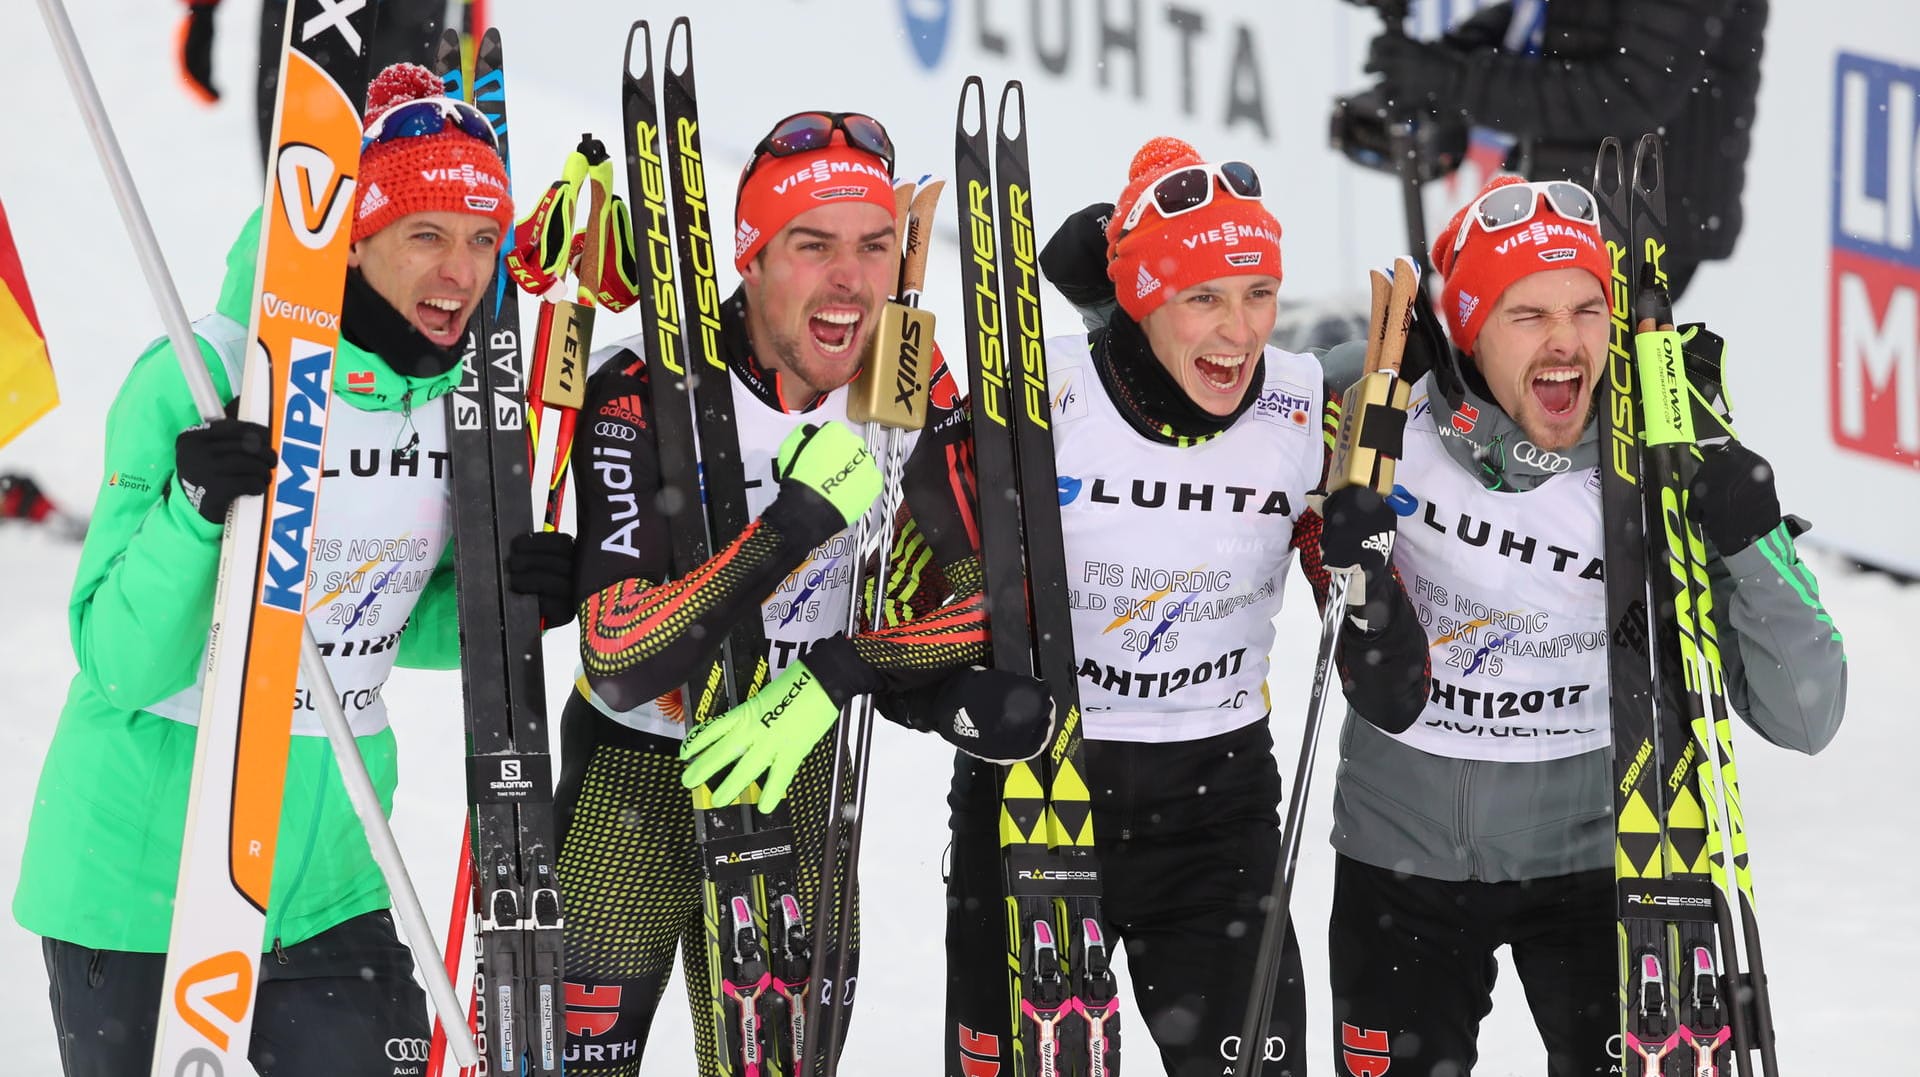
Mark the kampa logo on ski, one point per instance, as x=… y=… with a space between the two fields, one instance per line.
x=297 y=483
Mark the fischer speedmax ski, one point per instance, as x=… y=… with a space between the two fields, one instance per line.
x=1065 y=1011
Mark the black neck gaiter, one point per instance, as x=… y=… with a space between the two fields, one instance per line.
x=371 y=324
x=1147 y=395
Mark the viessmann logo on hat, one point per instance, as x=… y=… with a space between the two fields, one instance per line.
x=823 y=170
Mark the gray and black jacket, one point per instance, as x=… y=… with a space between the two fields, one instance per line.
x=1407 y=810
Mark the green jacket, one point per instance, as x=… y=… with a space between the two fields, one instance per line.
x=102 y=856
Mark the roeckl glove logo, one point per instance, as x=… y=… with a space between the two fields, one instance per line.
x=773 y=713
x=844 y=473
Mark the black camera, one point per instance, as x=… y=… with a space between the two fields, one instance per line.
x=1362 y=124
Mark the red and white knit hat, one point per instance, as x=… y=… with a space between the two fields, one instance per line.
x=775 y=190
x=1228 y=236
x=449 y=171
x=1488 y=263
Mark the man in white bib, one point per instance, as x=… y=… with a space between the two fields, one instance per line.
x=1489 y=821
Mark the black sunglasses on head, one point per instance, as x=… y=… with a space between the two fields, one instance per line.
x=805 y=132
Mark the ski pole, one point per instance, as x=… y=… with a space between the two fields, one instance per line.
x=353 y=771
x=1367 y=446
x=891 y=395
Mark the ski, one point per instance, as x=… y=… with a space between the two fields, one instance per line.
x=888 y=399
x=516 y=901
x=1065 y=1014
x=750 y=896
x=1684 y=1000
x=1718 y=1005
x=259 y=620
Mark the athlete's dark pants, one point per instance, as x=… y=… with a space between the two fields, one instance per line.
x=630 y=880
x=343 y=1001
x=1413 y=969
x=1187 y=834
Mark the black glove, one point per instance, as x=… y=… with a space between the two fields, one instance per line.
x=196 y=49
x=1418 y=74
x=213 y=463
x=1075 y=259
x=990 y=714
x=540 y=564
x=1356 y=537
x=1734 y=496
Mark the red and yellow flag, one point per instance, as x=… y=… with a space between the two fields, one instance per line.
x=26 y=374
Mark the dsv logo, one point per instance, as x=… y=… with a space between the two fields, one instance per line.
x=616 y=431
x=407 y=1049
x=1536 y=457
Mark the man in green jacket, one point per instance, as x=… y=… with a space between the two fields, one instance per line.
x=103 y=849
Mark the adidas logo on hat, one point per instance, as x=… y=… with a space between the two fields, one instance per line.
x=374 y=199
x=1468 y=304
x=744 y=237
x=1145 y=285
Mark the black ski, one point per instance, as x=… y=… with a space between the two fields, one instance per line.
x=1684 y=997
x=517 y=934
x=1064 y=1010
x=757 y=952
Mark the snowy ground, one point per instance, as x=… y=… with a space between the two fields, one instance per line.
x=1836 y=892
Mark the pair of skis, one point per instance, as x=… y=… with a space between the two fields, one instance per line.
x=1066 y=1013
x=1687 y=1006
x=757 y=954
x=512 y=851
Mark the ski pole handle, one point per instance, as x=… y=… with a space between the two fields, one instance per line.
x=1373 y=413
x=919 y=241
x=894 y=380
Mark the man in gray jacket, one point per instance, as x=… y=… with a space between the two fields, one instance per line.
x=1489 y=821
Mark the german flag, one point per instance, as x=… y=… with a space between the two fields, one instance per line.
x=26 y=374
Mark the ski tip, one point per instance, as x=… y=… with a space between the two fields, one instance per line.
x=1609 y=175
x=642 y=33
x=1649 y=166
x=1013 y=96
x=972 y=121
x=680 y=33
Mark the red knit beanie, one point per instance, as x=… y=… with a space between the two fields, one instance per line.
x=775 y=190
x=451 y=171
x=1226 y=237
x=1490 y=262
